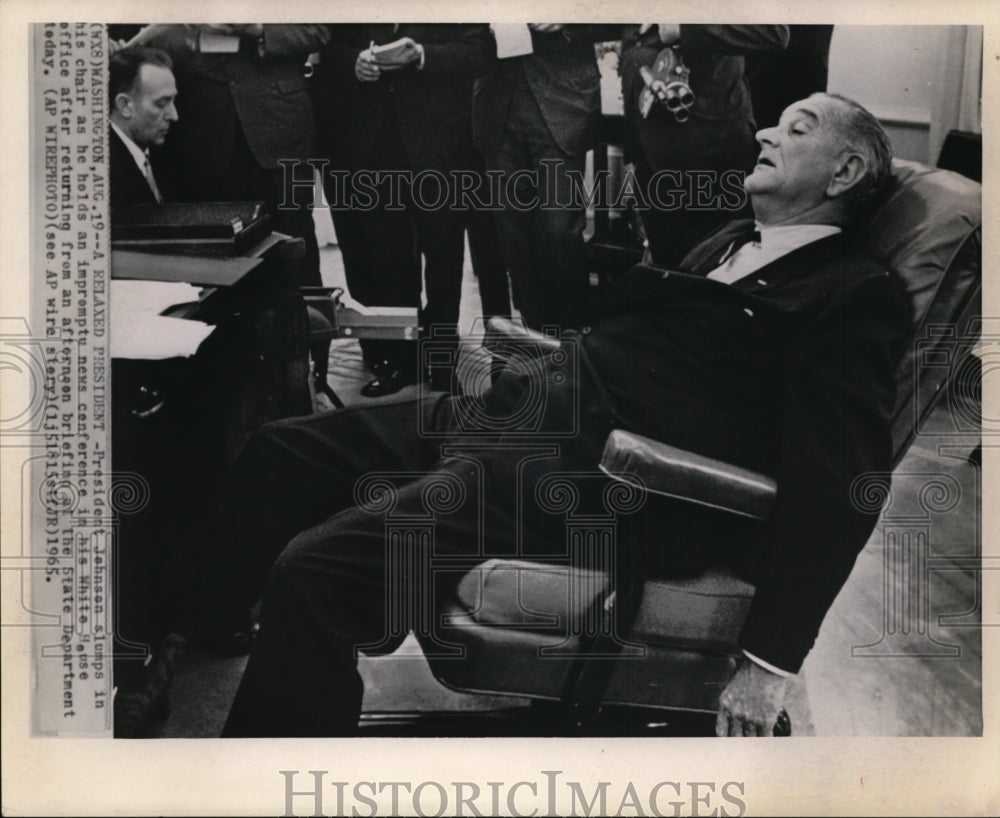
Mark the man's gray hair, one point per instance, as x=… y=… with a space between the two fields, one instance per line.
x=863 y=133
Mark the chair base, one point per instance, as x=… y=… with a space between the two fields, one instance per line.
x=538 y=720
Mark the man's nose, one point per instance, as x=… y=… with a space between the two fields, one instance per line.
x=767 y=136
x=171 y=113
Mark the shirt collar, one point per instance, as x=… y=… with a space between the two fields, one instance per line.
x=786 y=237
x=775 y=242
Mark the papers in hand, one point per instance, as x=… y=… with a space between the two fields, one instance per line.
x=513 y=39
x=391 y=53
x=212 y=42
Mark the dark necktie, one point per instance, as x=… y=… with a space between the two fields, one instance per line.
x=151 y=181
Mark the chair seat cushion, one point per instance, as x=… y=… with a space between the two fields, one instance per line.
x=521 y=622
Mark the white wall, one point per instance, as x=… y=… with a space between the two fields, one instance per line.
x=894 y=72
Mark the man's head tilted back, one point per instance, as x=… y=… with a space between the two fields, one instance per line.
x=142 y=92
x=821 y=164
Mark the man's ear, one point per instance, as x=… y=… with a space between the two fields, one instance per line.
x=847 y=174
x=123 y=104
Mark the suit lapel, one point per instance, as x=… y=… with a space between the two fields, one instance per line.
x=792 y=265
x=705 y=256
x=128 y=183
x=641 y=286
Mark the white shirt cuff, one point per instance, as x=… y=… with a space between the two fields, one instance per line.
x=420 y=65
x=767 y=665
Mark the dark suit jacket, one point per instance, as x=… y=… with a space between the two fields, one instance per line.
x=268 y=97
x=128 y=183
x=430 y=106
x=720 y=131
x=562 y=76
x=790 y=371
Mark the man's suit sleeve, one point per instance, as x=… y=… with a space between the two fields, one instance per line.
x=284 y=40
x=839 y=386
x=729 y=39
x=469 y=55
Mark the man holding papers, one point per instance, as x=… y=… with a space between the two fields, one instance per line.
x=408 y=89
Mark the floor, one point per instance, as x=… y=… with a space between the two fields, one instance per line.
x=898 y=655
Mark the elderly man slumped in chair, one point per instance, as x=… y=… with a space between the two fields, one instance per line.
x=773 y=348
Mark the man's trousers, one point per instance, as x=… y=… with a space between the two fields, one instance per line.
x=382 y=509
x=542 y=223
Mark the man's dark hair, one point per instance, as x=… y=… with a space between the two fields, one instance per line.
x=124 y=67
x=862 y=132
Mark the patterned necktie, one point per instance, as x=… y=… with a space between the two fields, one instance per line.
x=151 y=181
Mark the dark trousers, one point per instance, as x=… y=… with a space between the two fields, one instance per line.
x=389 y=246
x=487 y=257
x=348 y=493
x=382 y=269
x=541 y=228
x=488 y=264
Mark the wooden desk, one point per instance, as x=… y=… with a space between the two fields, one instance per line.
x=178 y=421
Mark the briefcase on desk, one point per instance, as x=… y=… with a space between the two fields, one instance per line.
x=195 y=228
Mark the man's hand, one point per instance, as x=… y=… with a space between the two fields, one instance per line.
x=546 y=28
x=365 y=68
x=750 y=703
x=407 y=53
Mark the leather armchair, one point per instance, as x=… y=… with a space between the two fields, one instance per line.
x=528 y=629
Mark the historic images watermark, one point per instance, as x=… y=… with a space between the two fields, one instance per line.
x=553 y=187
x=318 y=793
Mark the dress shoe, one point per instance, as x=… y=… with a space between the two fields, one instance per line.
x=388 y=382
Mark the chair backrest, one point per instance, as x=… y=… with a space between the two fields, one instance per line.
x=928 y=230
x=962 y=152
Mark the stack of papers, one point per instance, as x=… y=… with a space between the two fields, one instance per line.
x=139 y=331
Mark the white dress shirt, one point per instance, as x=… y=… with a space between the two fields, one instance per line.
x=775 y=242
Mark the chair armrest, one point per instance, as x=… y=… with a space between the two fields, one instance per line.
x=673 y=472
x=505 y=332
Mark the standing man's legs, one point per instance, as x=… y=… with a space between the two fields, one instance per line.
x=542 y=223
x=382 y=268
x=441 y=235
